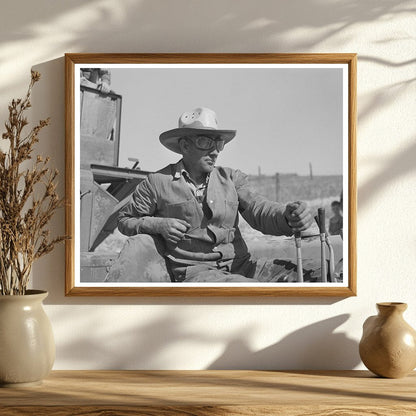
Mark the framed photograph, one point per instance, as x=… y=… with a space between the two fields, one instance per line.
x=211 y=174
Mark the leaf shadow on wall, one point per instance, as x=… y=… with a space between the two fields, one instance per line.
x=119 y=346
x=313 y=347
x=155 y=343
x=105 y=26
x=397 y=166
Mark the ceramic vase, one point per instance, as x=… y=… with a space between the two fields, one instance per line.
x=27 y=347
x=388 y=345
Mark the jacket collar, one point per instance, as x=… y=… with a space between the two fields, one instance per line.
x=179 y=171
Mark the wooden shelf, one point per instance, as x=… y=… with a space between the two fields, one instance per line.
x=253 y=393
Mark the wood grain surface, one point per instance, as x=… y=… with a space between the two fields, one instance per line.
x=203 y=393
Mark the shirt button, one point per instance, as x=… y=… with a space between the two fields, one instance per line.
x=211 y=202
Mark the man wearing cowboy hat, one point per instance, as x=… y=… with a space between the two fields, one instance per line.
x=194 y=204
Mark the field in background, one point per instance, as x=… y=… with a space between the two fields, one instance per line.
x=318 y=191
x=292 y=187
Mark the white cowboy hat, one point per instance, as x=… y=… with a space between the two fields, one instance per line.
x=199 y=121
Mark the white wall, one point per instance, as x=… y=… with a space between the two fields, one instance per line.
x=199 y=333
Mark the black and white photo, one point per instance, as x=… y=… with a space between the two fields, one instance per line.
x=212 y=176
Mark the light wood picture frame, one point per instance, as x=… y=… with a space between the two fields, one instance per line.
x=104 y=128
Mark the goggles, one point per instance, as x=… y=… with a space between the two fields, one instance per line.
x=207 y=143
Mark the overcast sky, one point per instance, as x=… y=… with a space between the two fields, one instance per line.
x=285 y=118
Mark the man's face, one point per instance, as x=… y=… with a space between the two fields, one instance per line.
x=198 y=159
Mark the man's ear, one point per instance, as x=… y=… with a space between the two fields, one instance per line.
x=183 y=145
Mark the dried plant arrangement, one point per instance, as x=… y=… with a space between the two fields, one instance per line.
x=28 y=198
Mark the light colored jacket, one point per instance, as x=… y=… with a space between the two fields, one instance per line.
x=214 y=227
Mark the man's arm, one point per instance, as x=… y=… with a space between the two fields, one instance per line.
x=133 y=217
x=138 y=216
x=267 y=216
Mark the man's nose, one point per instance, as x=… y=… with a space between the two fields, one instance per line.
x=214 y=151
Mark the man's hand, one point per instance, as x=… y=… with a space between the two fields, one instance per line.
x=172 y=229
x=298 y=216
x=104 y=87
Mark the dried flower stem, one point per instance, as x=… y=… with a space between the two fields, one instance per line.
x=23 y=217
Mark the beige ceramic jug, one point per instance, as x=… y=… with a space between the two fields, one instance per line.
x=27 y=347
x=388 y=344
